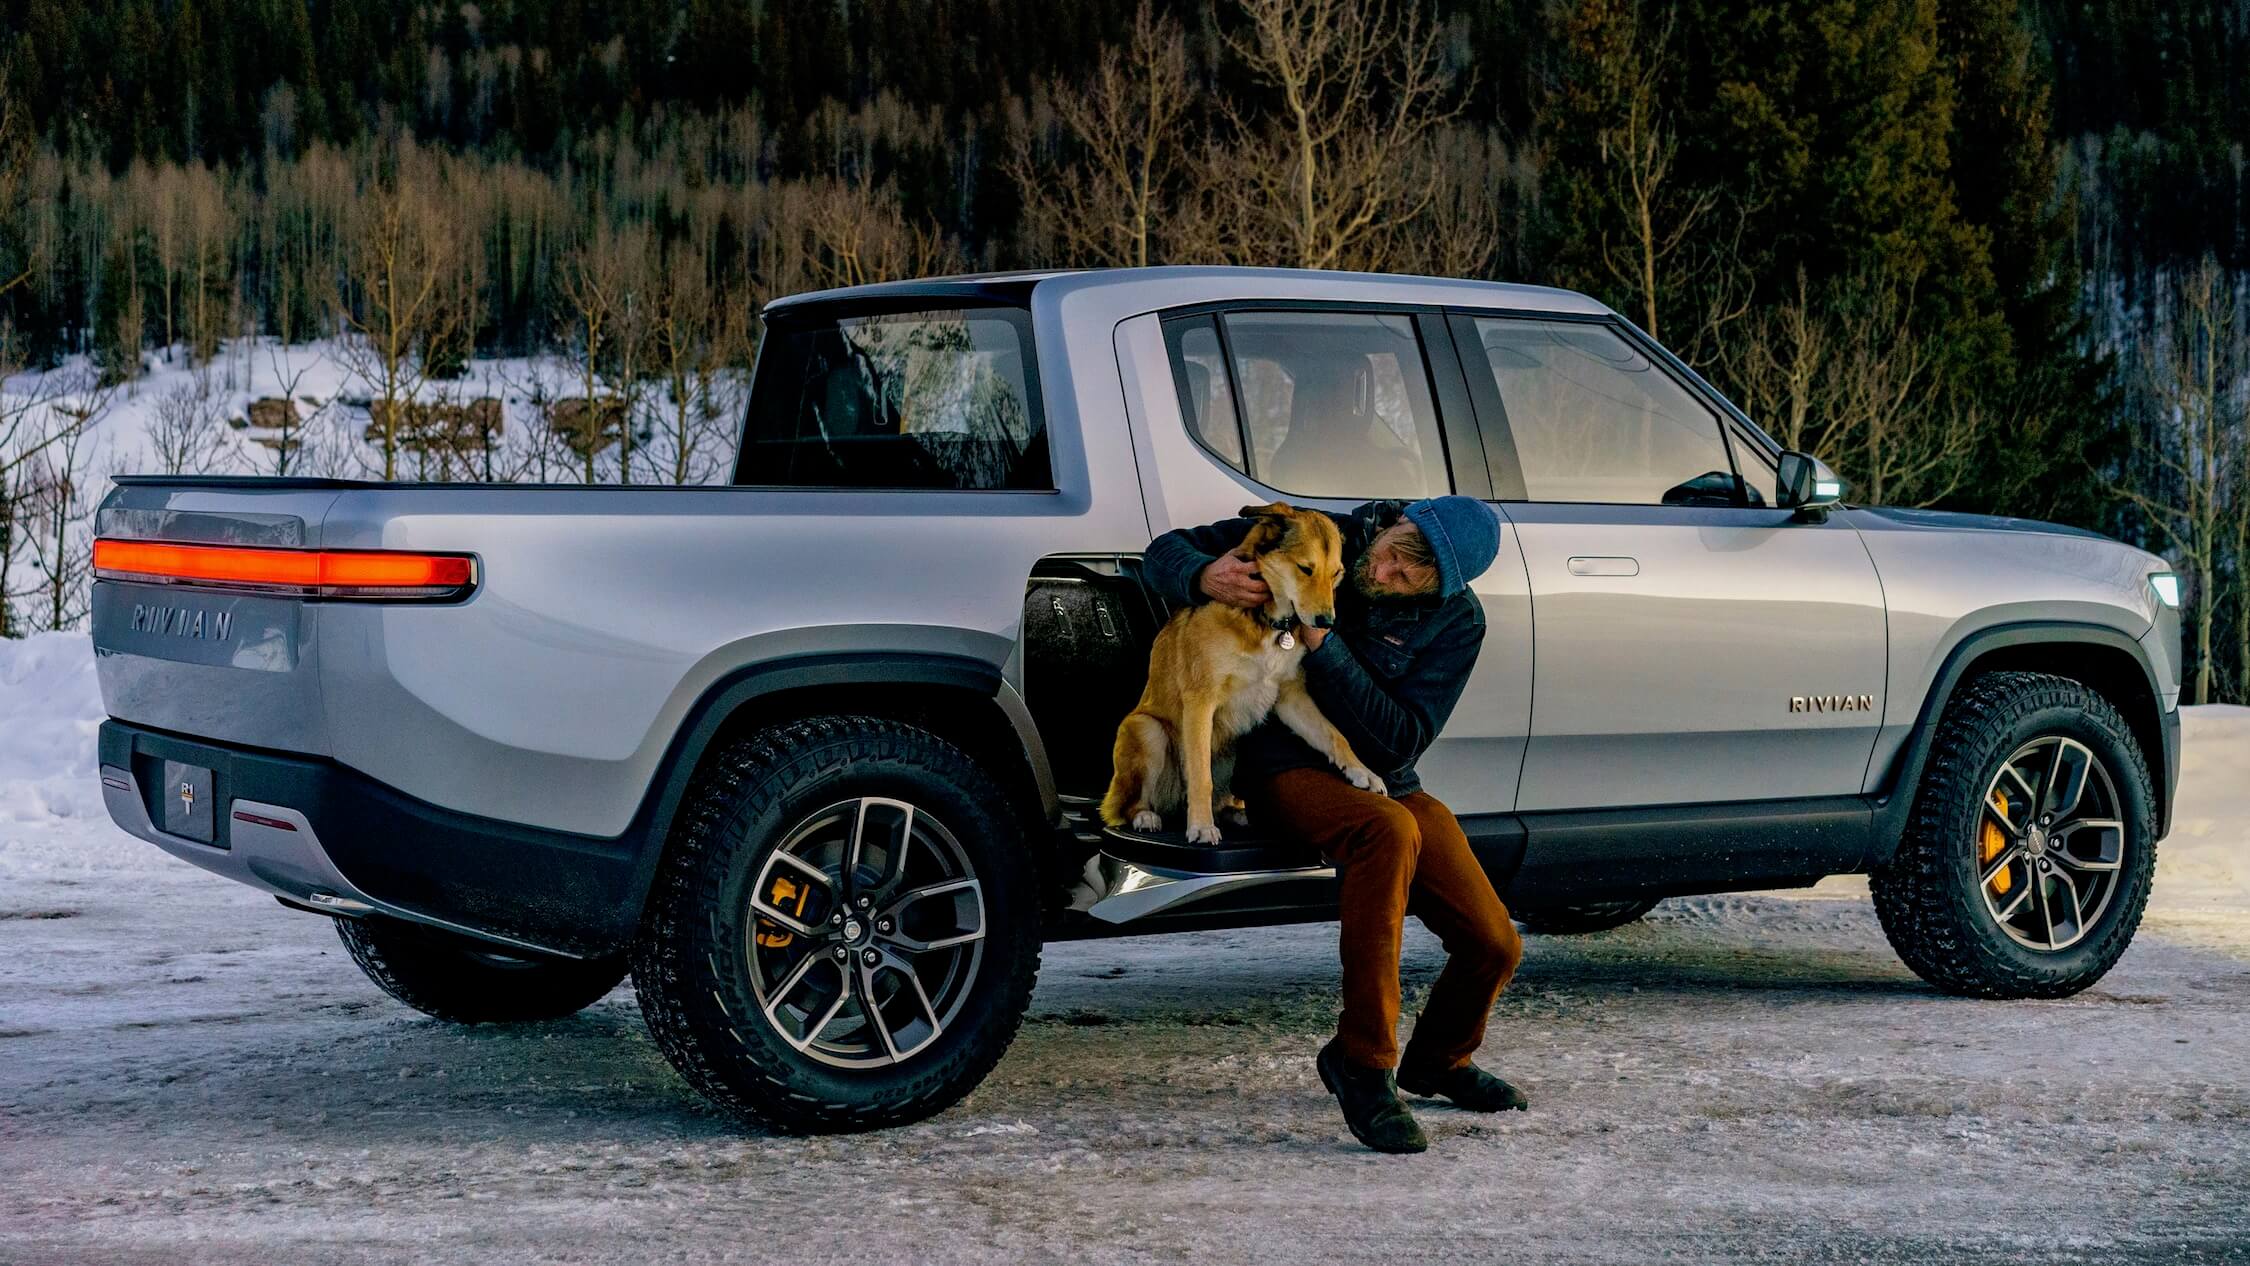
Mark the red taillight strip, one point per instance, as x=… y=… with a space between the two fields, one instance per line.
x=324 y=573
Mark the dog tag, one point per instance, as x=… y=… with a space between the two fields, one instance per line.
x=1288 y=640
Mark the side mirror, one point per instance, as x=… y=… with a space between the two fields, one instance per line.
x=1808 y=486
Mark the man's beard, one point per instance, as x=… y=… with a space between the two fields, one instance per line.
x=1363 y=579
x=1364 y=582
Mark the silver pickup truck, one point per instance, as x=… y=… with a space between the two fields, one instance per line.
x=813 y=755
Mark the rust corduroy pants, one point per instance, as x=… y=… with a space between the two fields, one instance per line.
x=1396 y=857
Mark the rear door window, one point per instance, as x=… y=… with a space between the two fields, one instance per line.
x=1314 y=404
x=939 y=399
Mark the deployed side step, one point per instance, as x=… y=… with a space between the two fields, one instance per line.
x=1134 y=875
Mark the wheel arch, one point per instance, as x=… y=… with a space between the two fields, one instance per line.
x=962 y=699
x=2105 y=659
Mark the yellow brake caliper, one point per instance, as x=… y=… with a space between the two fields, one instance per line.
x=1994 y=842
x=783 y=890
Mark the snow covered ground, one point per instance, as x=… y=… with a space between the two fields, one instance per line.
x=190 y=1073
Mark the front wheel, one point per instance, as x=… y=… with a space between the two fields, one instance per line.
x=844 y=933
x=469 y=981
x=2027 y=858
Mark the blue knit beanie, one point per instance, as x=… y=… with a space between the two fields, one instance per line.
x=1464 y=535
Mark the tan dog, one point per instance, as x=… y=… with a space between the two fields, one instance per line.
x=1218 y=670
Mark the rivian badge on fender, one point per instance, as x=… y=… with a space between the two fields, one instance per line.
x=1831 y=703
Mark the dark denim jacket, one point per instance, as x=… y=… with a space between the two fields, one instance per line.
x=1388 y=675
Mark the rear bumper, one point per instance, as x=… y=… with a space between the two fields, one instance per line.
x=331 y=839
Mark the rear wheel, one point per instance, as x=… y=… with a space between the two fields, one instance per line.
x=469 y=981
x=843 y=935
x=1586 y=916
x=2026 y=862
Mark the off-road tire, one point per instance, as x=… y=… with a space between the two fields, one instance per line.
x=469 y=981
x=1928 y=896
x=690 y=965
x=1586 y=916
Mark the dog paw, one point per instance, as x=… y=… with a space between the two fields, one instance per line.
x=1362 y=777
x=1202 y=834
x=1235 y=815
x=1148 y=820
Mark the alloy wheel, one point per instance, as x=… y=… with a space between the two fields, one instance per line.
x=869 y=928
x=2050 y=843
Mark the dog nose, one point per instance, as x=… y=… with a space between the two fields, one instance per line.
x=1323 y=621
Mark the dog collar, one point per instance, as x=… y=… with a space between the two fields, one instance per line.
x=1286 y=631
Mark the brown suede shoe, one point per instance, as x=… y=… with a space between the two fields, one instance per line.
x=1467 y=1086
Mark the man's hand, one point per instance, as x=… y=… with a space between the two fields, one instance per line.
x=1312 y=636
x=1233 y=580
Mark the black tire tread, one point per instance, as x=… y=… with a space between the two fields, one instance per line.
x=1914 y=893
x=437 y=974
x=683 y=1014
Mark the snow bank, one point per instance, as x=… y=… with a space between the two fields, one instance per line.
x=50 y=709
x=2205 y=862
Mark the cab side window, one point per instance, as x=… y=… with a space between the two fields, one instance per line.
x=1320 y=404
x=1594 y=420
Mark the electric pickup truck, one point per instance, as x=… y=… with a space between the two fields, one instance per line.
x=813 y=755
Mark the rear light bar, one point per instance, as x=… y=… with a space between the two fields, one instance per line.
x=298 y=572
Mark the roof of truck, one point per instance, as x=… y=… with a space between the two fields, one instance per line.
x=1199 y=283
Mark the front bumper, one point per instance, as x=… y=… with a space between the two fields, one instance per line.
x=330 y=839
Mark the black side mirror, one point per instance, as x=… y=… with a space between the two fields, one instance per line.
x=1807 y=486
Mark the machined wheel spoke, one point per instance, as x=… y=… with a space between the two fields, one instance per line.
x=2069 y=904
x=2008 y=857
x=2112 y=837
x=929 y=1016
x=799 y=871
x=894 y=847
x=1999 y=818
x=2064 y=783
x=2015 y=903
x=780 y=997
x=2038 y=886
x=952 y=888
x=2026 y=795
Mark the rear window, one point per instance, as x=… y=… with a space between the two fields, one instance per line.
x=944 y=398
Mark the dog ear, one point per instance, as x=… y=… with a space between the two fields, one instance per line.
x=1272 y=524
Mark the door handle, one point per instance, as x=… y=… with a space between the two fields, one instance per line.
x=1592 y=566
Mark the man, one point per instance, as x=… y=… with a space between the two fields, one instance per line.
x=1387 y=674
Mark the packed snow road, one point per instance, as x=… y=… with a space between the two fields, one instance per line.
x=188 y=1072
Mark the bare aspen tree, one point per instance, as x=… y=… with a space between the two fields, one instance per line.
x=16 y=258
x=2195 y=440
x=603 y=325
x=1107 y=207
x=1342 y=163
x=854 y=236
x=188 y=431
x=401 y=295
x=206 y=225
x=1638 y=150
x=59 y=517
x=698 y=334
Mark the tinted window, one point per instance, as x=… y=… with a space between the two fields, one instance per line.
x=1206 y=398
x=1331 y=404
x=1594 y=420
x=939 y=399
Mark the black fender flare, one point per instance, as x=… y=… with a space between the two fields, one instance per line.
x=1895 y=798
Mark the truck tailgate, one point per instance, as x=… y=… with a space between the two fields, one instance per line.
x=231 y=667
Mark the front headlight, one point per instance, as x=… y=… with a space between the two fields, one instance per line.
x=2167 y=587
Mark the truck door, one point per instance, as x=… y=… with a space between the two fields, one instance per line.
x=1694 y=645
x=1332 y=408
